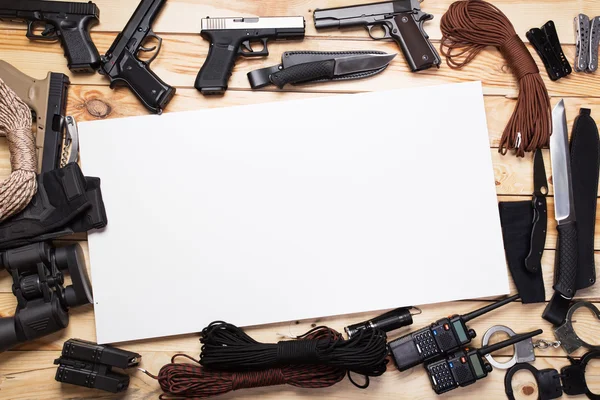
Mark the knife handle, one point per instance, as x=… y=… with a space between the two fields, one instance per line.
x=533 y=261
x=565 y=267
x=304 y=72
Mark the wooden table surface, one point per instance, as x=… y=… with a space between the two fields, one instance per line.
x=27 y=372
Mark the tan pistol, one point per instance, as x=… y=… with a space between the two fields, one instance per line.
x=47 y=99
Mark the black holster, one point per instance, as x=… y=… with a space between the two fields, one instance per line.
x=517 y=222
x=66 y=202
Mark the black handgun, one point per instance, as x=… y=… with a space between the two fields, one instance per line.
x=401 y=20
x=232 y=37
x=65 y=21
x=121 y=63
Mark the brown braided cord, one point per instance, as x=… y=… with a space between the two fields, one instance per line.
x=467 y=28
x=193 y=381
x=15 y=123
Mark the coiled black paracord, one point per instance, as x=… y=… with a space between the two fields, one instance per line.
x=226 y=347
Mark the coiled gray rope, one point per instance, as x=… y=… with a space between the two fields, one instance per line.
x=15 y=123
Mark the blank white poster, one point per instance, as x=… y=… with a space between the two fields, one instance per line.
x=292 y=210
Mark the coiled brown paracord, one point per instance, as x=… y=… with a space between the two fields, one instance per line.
x=189 y=381
x=468 y=27
x=15 y=123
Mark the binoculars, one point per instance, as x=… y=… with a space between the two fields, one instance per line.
x=42 y=301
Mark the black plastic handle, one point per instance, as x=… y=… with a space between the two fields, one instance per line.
x=304 y=73
x=82 y=55
x=215 y=73
x=414 y=42
x=533 y=261
x=149 y=88
x=565 y=268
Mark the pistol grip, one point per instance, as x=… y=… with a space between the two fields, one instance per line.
x=414 y=42
x=215 y=73
x=149 y=88
x=82 y=55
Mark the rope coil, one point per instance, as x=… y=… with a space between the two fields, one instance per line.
x=188 y=381
x=468 y=27
x=225 y=347
x=15 y=124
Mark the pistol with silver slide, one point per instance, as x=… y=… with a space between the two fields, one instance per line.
x=56 y=134
x=233 y=37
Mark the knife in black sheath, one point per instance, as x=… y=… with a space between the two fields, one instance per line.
x=533 y=261
x=565 y=269
x=313 y=66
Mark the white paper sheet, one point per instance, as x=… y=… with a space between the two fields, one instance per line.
x=291 y=210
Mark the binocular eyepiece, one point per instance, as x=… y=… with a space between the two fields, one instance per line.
x=43 y=302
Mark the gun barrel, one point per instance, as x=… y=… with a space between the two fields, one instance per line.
x=14 y=8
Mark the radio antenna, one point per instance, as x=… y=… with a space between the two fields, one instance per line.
x=488 y=308
x=508 y=342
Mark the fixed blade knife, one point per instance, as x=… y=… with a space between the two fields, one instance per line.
x=533 y=261
x=565 y=269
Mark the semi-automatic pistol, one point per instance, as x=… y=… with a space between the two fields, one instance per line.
x=47 y=98
x=232 y=37
x=401 y=20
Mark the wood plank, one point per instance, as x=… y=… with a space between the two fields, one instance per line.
x=183 y=16
x=89 y=103
x=590 y=294
x=20 y=370
x=182 y=56
x=520 y=317
x=551 y=235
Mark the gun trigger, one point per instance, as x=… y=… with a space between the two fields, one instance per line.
x=386 y=32
x=49 y=31
x=147 y=50
x=156 y=48
x=246 y=45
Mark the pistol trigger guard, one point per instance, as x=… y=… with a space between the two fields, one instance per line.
x=153 y=48
x=48 y=34
x=387 y=32
x=250 y=52
x=265 y=49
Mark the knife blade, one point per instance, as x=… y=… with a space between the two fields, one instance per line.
x=565 y=267
x=533 y=261
x=330 y=68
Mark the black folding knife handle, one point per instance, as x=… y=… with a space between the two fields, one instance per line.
x=533 y=262
x=565 y=267
x=304 y=72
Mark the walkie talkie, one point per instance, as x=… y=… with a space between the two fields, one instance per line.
x=467 y=366
x=440 y=338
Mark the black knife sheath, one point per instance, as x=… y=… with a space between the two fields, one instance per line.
x=585 y=167
x=516 y=218
x=299 y=67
